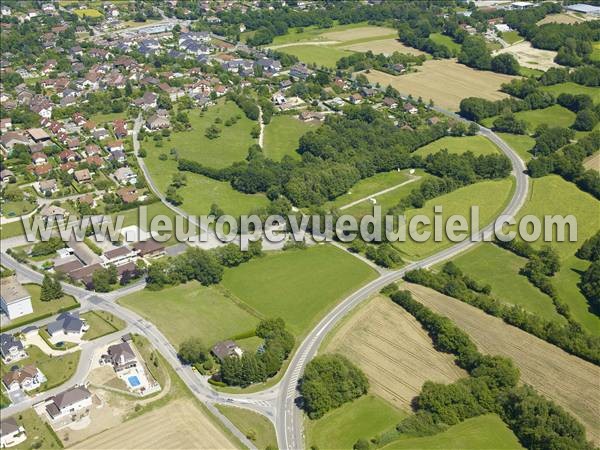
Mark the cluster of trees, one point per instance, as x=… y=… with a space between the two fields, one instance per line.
x=193 y=351
x=568 y=163
x=258 y=367
x=476 y=108
x=363 y=61
x=491 y=387
x=48 y=247
x=328 y=382
x=105 y=278
x=246 y=104
x=51 y=288
x=590 y=279
x=570 y=337
x=476 y=54
x=549 y=139
x=507 y=122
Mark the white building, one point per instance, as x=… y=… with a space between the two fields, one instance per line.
x=11 y=433
x=14 y=299
x=72 y=401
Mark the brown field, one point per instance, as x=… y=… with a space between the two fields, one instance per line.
x=560 y=18
x=383 y=46
x=446 y=82
x=179 y=424
x=394 y=351
x=569 y=381
x=357 y=33
x=592 y=162
x=528 y=56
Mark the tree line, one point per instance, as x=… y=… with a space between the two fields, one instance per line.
x=590 y=279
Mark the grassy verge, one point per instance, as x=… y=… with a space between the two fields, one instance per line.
x=255 y=427
x=101 y=323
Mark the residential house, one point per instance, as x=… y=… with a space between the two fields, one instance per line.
x=14 y=298
x=125 y=175
x=148 y=100
x=5 y=124
x=11 y=433
x=120 y=128
x=69 y=402
x=118 y=156
x=355 y=99
x=95 y=161
x=67 y=155
x=27 y=378
x=82 y=176
x=149 y=249
x=101 y=134
x=114 y=146
x=11 y=348
x=12 y=138
x=39 y=158
x=92 y=150
x=51 y=212
x=410 y=108
x=300 y=71
x=390 y=102
x=118 y=256
x=128 y=194
x=48 y=187
x=122 y=356
x=42 y=169
x=67 y=324
x=6 y=175
x=158 y=122
x=226 y=349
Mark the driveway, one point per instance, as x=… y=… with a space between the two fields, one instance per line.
x=17 y=396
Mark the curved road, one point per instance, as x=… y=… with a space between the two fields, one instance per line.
x=278 y=402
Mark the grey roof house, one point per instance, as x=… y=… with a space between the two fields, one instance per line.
x=67 y=323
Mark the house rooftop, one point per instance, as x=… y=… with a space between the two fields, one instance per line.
x=11 y=290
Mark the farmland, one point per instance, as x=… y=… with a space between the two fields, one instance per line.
x=486 y=432
x=445 y=82
x=592 y=162
x=531 y=57
x=193 y=311
x=490 y=196
x=479 y=145
x=282 y=135
x=338 y=32
x=569 y=381
x=179 y=424
x=297 y=285
x=383 y=46
x=482 y=263
x=393 y=350
x=341 y=428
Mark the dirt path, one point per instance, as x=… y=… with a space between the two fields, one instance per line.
x=261 y=136
x=570 y=381
x=384 y=191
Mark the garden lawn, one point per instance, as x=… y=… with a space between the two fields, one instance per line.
x=101 y=118
x=298 y=285
x=57 y=369
x=363 y=418
x=479 y=145
x=389 y=199
x=321 y=55
x=447 y=41
x=283 y=134
x=42 y=309
x=489 y=264
x=39 y=434
x=486 y=432
x=13 y=209
x=101 y=323
x=255 y=427
x=369 y=186
x=520 y=143
x=574 y=88
x=491 y=196
x=192 y=310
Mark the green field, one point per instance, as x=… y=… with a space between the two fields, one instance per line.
x=321 y=55
x=57 y=369
x=87 y=12
x=479 y=145
x=520 y=143
x=101 y=323
x=447 y=41
x=41 y=309
x=490 y=264
x=388 y=200
x=312 y=33
x=255 y=427
x=554 y=115
x=192 y=310
x=342 y=427
x=13 y=209
x=574 y=88
x=486 y=432
x=595 y=56
x=529 y=72
x=39 y=434
x=297 y=285
x=100 y=118
x=511 y=37
x=282 y=136
x=490 y=196
x=371 y=185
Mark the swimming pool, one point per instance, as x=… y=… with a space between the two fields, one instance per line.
x=134 y=381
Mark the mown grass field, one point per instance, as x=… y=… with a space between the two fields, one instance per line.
x=479 y=145
x=41 y=308
x=297 y=285
x=511 y=37
x=489 y=196
x=573 y=88
x=100 y=118
x=342 y=427
x=192 y=310
x=486 y=432
x=282 y=136
x=520 y=143
x=490 y=264
x=595 y=56
x=87 y=13
x=447 y=41
x=554 y=115
x=101 y=323
x=369 y=186
x=255 y=427
x=321 y=55
x=388 y=200
x=340 y=33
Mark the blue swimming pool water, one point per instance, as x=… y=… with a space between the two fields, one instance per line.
x=133 y=381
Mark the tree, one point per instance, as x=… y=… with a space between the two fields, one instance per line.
x=590 y=286
x=51 y=289
x=586 y=120
x=193 y=351
x=505 y=63
x=475 y=53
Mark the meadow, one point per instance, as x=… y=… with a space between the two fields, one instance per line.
x=486 y=432
x=282 y=135
x=338 y=32
x=554 y=115
x=101 y=323
x=192 y=310
x=447 y=41
x=255 y=427
x=297 y=285
x=94 y=13
x=479 y=145
x=512 y=37
x=341 y=428
x=573 y=88
x=383 y=46
x=520 y=143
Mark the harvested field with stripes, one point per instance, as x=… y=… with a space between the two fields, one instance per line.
x=393 y=350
